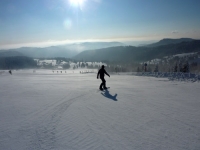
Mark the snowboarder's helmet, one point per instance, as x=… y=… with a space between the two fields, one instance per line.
x=102 y=66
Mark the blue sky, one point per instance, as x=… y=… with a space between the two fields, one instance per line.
x=52 y=22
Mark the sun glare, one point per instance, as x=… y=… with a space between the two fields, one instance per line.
x=76 y=2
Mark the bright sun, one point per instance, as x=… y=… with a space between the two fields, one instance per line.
x=76 y=2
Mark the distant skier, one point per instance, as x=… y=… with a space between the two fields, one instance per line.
x=10 y=72
x=145 y=67
x=101 y=72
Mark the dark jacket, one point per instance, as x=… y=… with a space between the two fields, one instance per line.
x=102 y=71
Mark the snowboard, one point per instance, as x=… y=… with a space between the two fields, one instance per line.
x=104 y=89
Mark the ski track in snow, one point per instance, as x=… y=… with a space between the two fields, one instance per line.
x=46 y=111
x=44 y=136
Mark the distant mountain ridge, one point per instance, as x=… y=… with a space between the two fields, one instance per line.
x=167 y=41
x=68 y=50
x=138 y=54
x=110 y=51
x=10 y=54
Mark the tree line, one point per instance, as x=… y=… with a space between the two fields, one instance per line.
x=17 y=62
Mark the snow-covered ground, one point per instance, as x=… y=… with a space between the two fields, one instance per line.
x=45 y=110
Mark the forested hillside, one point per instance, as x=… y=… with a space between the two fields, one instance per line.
x=17 y=62
x=138 y=54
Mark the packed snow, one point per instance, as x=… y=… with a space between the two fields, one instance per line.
x=42 y=110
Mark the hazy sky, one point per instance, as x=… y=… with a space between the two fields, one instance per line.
x=47 y=22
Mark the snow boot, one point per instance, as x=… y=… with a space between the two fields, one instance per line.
x=101 y=89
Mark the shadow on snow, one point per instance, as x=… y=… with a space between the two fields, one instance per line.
x=108 y=95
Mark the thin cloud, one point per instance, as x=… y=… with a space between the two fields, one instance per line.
x=70 y=41
x=50 y=43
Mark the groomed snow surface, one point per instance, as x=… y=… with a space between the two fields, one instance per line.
x=54 y=111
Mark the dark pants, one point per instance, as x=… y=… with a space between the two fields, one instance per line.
x=103 y=83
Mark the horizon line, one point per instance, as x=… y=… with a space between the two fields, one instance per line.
x=50 y=43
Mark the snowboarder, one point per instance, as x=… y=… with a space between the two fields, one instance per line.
x=101 y=72
x=10 y=72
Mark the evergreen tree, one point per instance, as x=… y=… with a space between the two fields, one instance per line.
x=138 y=69
x=156 y=68
x=176 y=68
x=66 y=66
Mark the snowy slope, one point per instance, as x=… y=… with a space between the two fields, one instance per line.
x=44 y=110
